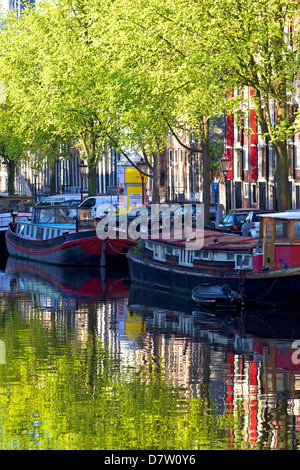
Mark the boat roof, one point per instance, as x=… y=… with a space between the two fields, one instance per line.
x=288 y=215
x=216 y=241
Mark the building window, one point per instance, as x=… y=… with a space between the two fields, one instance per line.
x=260 y=162
x=271 y=161
x=297 y=191
x=253 y=194
x=245 y=159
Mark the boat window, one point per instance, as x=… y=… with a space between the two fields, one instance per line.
x=242 y=261
x=21 y=228
x=32 y=230
x=45 y=216
x=27 y=229
x=159 y=252
x=239 y=260
x=186 y=257
x=52 y=233
x=168 y=250
x=230 y=256
x=281 y=229
x=149 y=245
x=205 y=254
x=13 y=205
x=297 y=230
x=268 y=230
x=46 y=234
x=247 y=261
x=27 y=205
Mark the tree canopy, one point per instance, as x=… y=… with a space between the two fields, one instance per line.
x=128 y=73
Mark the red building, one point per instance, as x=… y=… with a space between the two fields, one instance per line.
x=252 y=176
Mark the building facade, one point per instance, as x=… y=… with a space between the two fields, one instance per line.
x=252 y=176
x=181 y=172
x=19 y=5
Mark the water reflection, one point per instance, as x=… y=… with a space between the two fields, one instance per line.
x=99 y=360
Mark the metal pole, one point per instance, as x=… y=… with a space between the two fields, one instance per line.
x=226 y=193
x=143 y=195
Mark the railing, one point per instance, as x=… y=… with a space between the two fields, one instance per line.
x=8 y=217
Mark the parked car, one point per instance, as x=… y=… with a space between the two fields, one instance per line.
x=232 y=223
x=216 y=214
x=94 y=202
x=61 y=199
x=252 y=223
x=139 y=221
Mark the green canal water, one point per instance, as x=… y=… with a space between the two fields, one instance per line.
x=88 y=361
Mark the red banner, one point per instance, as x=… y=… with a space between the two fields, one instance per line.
x=229 y=143
x=253 y=143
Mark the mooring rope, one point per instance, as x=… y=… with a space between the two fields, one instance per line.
x=119 y=252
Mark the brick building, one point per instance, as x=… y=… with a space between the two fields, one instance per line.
x=252 y=176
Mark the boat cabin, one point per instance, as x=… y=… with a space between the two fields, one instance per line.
x=280 y=236
x=16 y=203
x=220 y=252
x=53 y=221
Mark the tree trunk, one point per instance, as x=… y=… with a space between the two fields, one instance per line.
x=52 y=178
x=11 y=170
x=206 y=171
x=89 y=146
x=156 y=179
x=282 y=176
x=92 y=179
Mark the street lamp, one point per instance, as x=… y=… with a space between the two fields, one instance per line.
x=225 y=167
x=82 y=169
x=142 y=167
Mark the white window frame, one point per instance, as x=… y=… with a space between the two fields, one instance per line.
x=186 y=257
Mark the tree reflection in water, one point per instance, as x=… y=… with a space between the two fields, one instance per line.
x=88 y=367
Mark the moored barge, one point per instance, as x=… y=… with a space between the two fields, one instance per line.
x=64 y=236
x=264 y=270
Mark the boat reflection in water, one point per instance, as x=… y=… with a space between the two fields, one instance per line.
x=89 y=283
x=245 y=362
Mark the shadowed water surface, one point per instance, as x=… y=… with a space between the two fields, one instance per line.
x=88 y=361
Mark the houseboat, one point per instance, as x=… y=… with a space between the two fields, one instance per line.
x=265 y=270
x=63 y=236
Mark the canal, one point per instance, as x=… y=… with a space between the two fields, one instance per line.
x=88 y=361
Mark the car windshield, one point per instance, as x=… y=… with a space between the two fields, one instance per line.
x=89 y=202
x=69 y=202
x=239 y=218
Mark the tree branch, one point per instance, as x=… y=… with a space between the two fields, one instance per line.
x=178 y=140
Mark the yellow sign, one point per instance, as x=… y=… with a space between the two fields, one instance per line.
x=134 y=197
x=132 y=176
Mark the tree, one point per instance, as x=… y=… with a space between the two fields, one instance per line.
x=12 y=149
x=156 y=49
x=255 y=45
x=56 y=79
